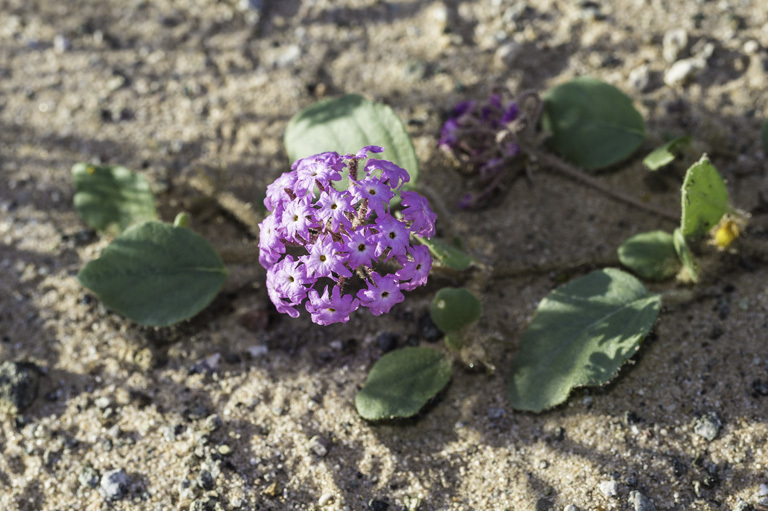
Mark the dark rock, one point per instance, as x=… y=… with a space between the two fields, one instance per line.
x=205 y=480
x=18 y=386
x=386 y=341
x=377 y=505
x=428 y=329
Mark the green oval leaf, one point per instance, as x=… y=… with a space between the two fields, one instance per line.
x=651 y=255
x=446 y=254
x=593 y=124
x=156 y=274
x=347 y=124
x=111 y=198
x=581 y=334
x=685 y=255
x=402 y=382
x=664 y=155
x=454 y=308
x=704 y=198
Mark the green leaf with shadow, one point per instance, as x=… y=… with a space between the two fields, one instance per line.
x=704 y=199
x=581 y=334
x=110 y=198
x=346 y=125
x=593 y=124
x=665 y=154
x=651 y=255
x=402 y=382
x=156 y=274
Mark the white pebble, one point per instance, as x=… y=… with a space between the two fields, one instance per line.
x=324 y=499
x=673 y=44
x=639 y=78
x=683 y=70
x=609 y=488
x=751 y=47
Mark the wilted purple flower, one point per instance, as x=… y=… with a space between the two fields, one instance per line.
x=477 y=135
x=342 y=232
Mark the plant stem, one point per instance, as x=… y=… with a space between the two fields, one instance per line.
x=514 y=269
x=578 y=175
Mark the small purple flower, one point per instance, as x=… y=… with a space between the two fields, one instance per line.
x=290 y=279
x=321 y=168
x=297 y=219
x=326 y=258
x=276 y=192
x=377 y=193
x=394 y=175
x=360 y=248
x=326 y=310
x=363 y=153
x=418 y=212
x=382 y=294
x=270 y=245
x=335 y=206
x=415 y=271
x=393 y=235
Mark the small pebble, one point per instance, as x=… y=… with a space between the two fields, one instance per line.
x=428 y=329
x=102 y=402
x=683 y=70
x=114 y=484
x=640 y=78
x=205 y=480
x=257 y=351
x=61 y=44
x=609 y=488
x=708 y=426
x=673 y=44
x=324 y=499
x=377 y=505
x=386 y=341
x=89 y=477
x=741 y=505
x=224 y=450
x=640 y=502
x=18 y=385
x=496 y=413
x=507 y=54
x=318 y=446
x=763 y=491
x=751 y=47
x=570 y=507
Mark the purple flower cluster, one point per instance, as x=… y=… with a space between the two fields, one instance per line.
x=472 y=135
x=339 y=233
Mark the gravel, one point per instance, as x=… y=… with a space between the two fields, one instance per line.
x=114 y=484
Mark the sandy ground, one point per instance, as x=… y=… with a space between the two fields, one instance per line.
x=187 y=91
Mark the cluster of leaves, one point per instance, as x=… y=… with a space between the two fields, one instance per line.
x=154 y=273
x=659 y=255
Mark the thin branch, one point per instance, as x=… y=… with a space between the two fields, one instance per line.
x=578 y=175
